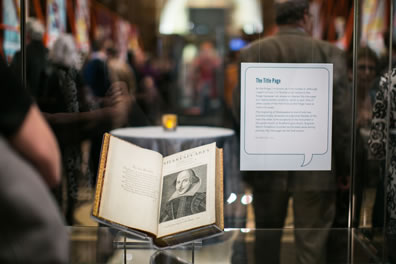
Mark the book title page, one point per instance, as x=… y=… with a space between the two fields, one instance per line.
x=187 y=190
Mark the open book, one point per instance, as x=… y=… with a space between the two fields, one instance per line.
x=173 y=200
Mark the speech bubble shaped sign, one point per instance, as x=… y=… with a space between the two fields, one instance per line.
x=286 y=110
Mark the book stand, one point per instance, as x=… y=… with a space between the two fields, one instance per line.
x=127 y=240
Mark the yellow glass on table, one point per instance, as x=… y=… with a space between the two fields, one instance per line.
x=169 y=122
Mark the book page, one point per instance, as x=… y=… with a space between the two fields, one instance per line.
x=131 y=186
x=188 y=190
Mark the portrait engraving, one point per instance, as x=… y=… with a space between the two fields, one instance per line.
x=183 y=193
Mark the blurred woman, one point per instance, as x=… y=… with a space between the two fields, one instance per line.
x=65 y=95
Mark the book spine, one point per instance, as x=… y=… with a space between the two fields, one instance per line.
x=101 y=172
x=221 y=189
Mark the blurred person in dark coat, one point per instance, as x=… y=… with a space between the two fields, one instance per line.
x=36 y=58
x=148 y=96
x=95 y=71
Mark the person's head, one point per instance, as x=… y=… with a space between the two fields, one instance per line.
x=64 y=52
x=98 y=44
x=112 y=52
x=185 y=180
x=206 y=46
x=367 y=65
x=293 y=12
x=34 y=29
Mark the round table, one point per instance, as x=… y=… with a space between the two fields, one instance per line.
x=170 y=142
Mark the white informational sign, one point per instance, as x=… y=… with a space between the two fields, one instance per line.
x=286 y=116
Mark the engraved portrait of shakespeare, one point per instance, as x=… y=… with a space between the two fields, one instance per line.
x=187 y=199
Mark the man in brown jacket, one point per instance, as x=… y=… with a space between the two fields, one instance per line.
x=313 y=192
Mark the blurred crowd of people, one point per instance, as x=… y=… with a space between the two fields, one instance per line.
x=84 y=95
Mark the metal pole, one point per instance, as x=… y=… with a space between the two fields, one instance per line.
x=352 y=205
x=193 y=253
x=23 y=42
x=124 y=250
x=388 y=120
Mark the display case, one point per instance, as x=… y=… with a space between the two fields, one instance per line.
x=194 y=73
